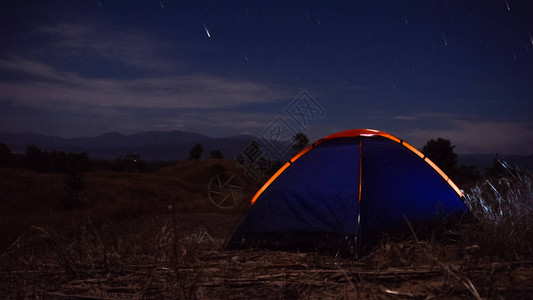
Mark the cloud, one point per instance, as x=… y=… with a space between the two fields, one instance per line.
x=441 y=116
x=128 y=120
x=470 y=133
x=406 y=118
x=45 y=86
x=46 y=95
x=480 y=136
x=160 y=79
x=216 y=122
x=130 y=46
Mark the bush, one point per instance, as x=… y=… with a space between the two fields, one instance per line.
x=5 y=155
x=196 y=152
x=216 y=154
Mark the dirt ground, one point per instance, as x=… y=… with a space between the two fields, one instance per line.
x=192 y=264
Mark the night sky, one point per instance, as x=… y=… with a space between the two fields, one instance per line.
x=460 y=70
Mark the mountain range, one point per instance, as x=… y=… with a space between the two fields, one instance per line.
x=152 y=145
x=175 y=145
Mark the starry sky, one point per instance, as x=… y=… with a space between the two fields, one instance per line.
x=460 y=70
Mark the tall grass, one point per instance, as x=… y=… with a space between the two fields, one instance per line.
x=503 y=206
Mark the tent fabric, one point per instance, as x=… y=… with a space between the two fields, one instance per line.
x=347 y=188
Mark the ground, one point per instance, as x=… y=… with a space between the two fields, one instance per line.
x=158 y=236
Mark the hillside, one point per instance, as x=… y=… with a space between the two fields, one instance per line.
x=29 y=197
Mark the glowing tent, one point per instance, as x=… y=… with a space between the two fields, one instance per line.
x=346 y=189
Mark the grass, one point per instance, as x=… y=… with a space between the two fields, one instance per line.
x=503 y=206
x=30 y=198
x=126 y=242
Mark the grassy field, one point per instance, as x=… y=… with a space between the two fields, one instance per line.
x=158 y=235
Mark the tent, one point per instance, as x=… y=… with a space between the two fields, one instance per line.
x=344 y=191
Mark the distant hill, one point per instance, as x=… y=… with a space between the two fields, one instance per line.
x=107 y=140
x=484 y=161
x=175 y=145
x=151 y=145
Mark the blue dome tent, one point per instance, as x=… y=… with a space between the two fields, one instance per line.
x=346 y=189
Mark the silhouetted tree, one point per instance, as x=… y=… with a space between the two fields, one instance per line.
x=441 y=152
x=118 y=164
x=79 y=161
x=299 y=141
x=216 y=154
x=55 y=161
x=196 y=152
x=130 y=163
x=34 y=157
x=60 y=162
x=5 y=155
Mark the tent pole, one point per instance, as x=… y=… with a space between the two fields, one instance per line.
x=357 y=240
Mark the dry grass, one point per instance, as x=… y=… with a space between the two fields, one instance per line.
x=503 y=206
x=176 y=262
x=30 y=198
x=127 y=243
